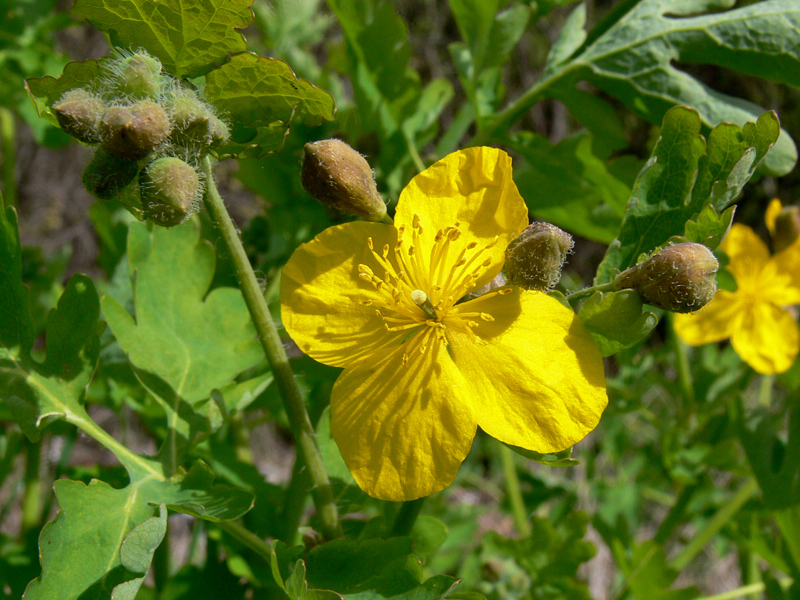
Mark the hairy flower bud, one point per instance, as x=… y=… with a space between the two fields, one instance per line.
x=79 y=113
x=194 y=121
x=535 y=257
x=134 y=131
x=338 y=176
x=138 y=76
x=107 y=175
x=680 y=278
x=170 y=190
x=787 y=228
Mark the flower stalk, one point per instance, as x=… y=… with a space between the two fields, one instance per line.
x=300 y=423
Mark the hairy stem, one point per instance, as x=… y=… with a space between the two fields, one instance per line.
x=240 y=533
x=276 y=355
x=603 y=287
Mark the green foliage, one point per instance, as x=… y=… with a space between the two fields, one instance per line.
x=184 y=341
x=668 y=479
x=262 y=95
x=189 y=43
x=615 y=320
x=683 y=174
x=631 y=58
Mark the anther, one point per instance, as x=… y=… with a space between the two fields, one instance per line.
x=385 y=250
x=365 y=302
x=369 y=243
x=504 y=291
x=472 y=245
x=487 y=317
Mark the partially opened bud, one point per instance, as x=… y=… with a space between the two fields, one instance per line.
x=680 y=278
x=340 y=177
x=134 y=131
x=170 y=188
x=79 y=113
x=107 y=175
x=535 y=257
x=787 y=228
x=138 y=75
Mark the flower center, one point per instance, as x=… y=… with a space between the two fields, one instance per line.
x=421 y=292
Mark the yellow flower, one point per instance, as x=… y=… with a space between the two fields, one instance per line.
x=763 y=333
x=421 y=370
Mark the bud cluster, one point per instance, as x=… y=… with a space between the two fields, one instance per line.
x=681 y=278
x=151 y=131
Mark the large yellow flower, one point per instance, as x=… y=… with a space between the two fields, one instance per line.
x=421 y=369
x=763 y=333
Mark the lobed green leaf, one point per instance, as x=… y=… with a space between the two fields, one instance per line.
x=262 y=96
x=189 y=37
x=615 y=320
x=632 y=59
x=683 y=175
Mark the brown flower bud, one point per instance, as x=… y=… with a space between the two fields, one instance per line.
x=79 y=113
x=535 y=257
x=680 y=278
x=106 y=176
x=170 y=191
x=338 y=176
x=134 y=131
x=787 y=228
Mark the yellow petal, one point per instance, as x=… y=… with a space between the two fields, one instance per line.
x=712 y=323
x=403 y=431
x=473 y=188
x=765 y=336
x=325 y=306
x=787 y=263
x=748 y=255
x=780 y=279
x=538 y=380
x=773 y=210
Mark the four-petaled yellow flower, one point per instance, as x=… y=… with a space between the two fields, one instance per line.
x=763 y=333
x=423 y=366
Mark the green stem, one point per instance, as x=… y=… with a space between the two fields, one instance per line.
x=8 y=143
x=743 y=591
x=788 y=521
x=413 y=152
x=31 y=501
x=293 y=504
x=603 y=287
x=675 y=514
x=279 y=363
x=717 y=522
x=513 y=491
x=682 y=363
x=243 y=535
x=161 y=562
x=765 y=390
x=406 y=517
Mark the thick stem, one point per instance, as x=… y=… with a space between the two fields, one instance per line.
x=279 y=363
x=717 y=522
x=406 y=517
x=8 y=143
x=682 y=364
x=513 y=491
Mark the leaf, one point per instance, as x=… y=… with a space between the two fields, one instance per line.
x=262 y=96
x=16 y=326
x=185 y=341
x=650 y=577
x=39 y=393
x=683 y=175
x=555 y=459
x=633 y=59
x=428 y=534
x=569 y=186
x=615 y=320
x=709 y=228
x=103 y=538
x=775 y=464
x=188 y=36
